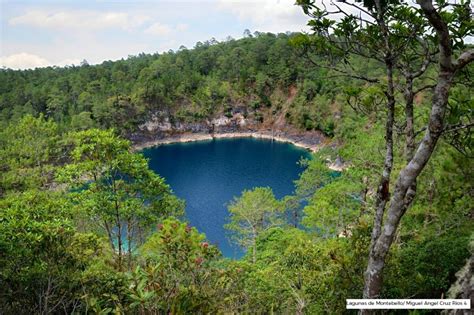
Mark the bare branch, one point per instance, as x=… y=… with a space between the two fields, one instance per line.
x=457 y=127
x=346 y=74
x=423 y=67
x=465 y=58
x=425 y=87
x=350 y=15
x=343 y=73
x=360 y=8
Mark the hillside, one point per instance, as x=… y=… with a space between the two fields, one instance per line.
x=87 y=225
x=261 y=78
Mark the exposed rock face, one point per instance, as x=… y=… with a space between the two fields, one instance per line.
x=190 y=127
x=161 y=124
x=157 y=123
x=161 y=129
x=240 y=119
x=463 y=288
x=221 y=121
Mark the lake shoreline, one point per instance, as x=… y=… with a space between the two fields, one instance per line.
x=192 y=137
x=299 y=140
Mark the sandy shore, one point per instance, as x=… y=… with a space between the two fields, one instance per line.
x=190 y=137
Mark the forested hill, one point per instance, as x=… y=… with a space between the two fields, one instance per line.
x=259 y=74
x=86 y=226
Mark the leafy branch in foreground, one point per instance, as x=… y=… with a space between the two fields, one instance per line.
x=116 y=191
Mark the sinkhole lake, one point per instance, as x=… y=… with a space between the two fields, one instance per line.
x=208 y=174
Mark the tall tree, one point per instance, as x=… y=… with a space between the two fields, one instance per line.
x=378 y=31
x=251 y=214
x=116 y=190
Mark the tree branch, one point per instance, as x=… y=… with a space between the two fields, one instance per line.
x=343 y=73
x=425 y=87
x=465 y=58
x=457 y=127
x=441 y=28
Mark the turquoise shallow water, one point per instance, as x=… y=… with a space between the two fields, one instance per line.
x=208 y=174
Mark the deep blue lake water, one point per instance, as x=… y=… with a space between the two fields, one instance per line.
x=208 y=174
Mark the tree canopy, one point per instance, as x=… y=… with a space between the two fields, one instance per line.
x=87 y=227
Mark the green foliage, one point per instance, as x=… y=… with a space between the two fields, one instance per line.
x=315 y=176
x=334 y=208
x=437 y=230
x=87 y=227
x=460 y=114
x=251 y=214
x=177 y=245
x=176 y=275
x=104 y=289
x=295 y=273
x=426 y=267
x=115 y=190
x=29 y=150
x=42 y=257
x=188 y=85
x=175 y=270
x=82 y=121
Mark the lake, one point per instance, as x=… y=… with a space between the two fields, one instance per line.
x=208 y=174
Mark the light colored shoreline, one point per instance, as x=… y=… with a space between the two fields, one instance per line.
x=191 y=137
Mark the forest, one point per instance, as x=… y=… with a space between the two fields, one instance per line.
x=185 y=86
x=87 y=227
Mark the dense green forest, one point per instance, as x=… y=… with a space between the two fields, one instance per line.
x=256 y=73
x=87 y=227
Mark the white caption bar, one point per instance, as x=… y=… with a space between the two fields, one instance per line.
x=405 y=304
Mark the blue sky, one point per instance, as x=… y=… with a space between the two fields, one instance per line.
x=42 y=33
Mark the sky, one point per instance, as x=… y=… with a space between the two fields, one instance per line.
x=39 y=33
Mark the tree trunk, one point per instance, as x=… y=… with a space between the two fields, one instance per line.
x=254 y=249
x=407 y=177
x=409 y=129
x=410 y=134
x=383 y=190
x=129 y=243
x=401 y=196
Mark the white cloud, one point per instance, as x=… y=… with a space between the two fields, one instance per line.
x=182 y=27
x=79 y=19
x=59 y=34
x=158 y=29
x=268 y=15
x=23 y=61
x=30 y=61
